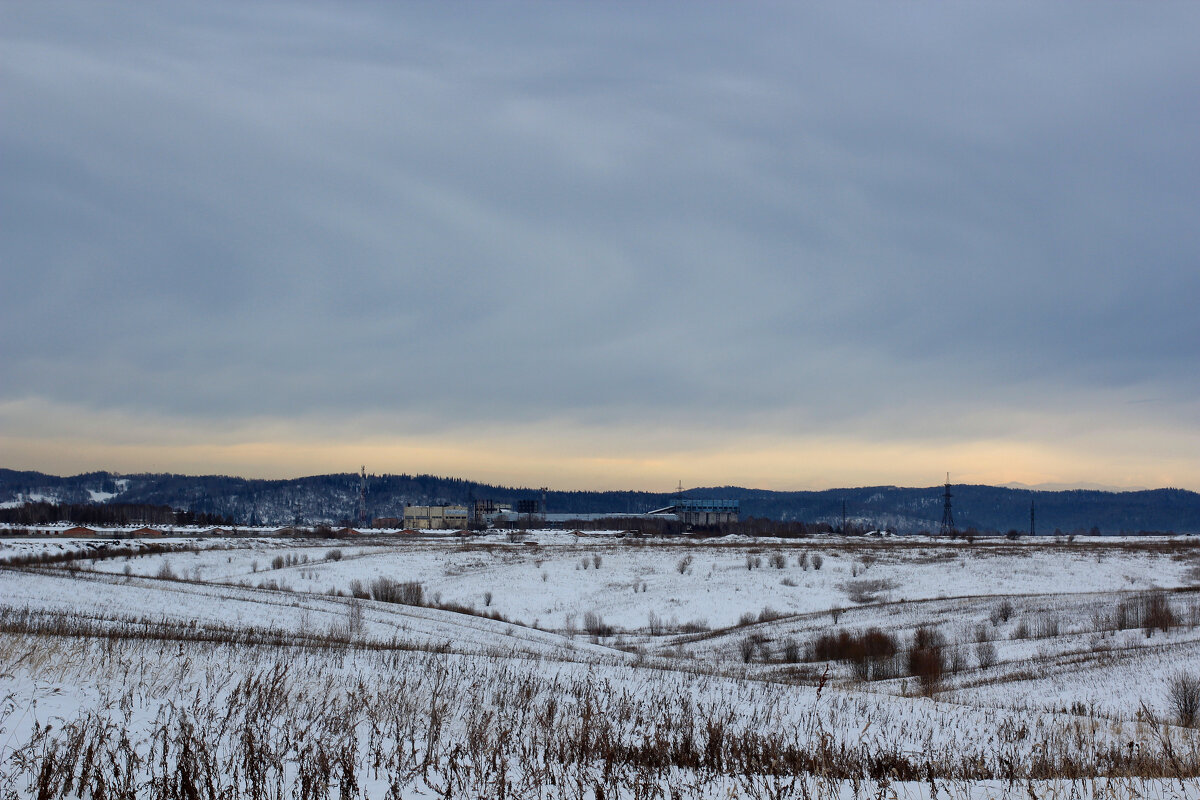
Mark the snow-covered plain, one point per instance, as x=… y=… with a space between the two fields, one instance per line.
x=705 y=644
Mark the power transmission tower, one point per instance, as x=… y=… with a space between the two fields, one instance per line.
x=947 y=513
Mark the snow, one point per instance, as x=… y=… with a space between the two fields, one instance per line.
x=32 y=497
x=1047 y=682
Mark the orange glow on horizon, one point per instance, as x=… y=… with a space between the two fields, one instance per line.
x=796 y=464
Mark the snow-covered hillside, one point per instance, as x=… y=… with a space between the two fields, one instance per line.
x=618 y=667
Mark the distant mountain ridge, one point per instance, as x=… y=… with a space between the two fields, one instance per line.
x=334 y=498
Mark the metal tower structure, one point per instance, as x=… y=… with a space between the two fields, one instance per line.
x=947 y=513
x=362 y=496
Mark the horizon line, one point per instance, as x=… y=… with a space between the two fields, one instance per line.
x=1049 y=487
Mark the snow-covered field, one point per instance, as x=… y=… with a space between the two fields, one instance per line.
x=594 y=666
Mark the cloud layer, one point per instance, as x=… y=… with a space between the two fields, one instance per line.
x=661 y=240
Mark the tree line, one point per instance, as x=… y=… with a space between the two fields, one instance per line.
x=112 y=514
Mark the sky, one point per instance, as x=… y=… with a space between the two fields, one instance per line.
x=587 y=245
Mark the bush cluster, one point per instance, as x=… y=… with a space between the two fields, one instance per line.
x=870 y=654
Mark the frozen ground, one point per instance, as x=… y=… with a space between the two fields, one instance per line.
x=688 y=640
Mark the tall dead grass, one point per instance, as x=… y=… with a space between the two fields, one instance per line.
x=271 y=723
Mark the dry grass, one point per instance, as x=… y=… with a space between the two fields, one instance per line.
x=281 y=722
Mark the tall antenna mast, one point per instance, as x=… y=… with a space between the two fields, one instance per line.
x=362 y=496
x=947 y=514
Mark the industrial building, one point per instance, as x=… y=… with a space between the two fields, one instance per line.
x=435 y=517
x=488 y=512
x=702 y=511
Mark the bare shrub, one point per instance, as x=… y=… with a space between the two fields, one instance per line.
x=1184 y=694
x=1149 y=612
x=1157 y=613
x=871 y=654
x=985 y=654
x=165 y=573
x=594 y=624
x=1193 y=615
x=802 y=561
x=1021 y=631
x=657 y=624
x=834 y=613
x=926 y=660
x=789 y=582
x=597 y=560
x=746 y=647
x=487 y=598
x=778 y=560
x=1002 y=612
x=867 y=591
x=334 y=555
x=583 y=562
x=684 y=564
x=747 y=618
x=817 y=561
x=956 y=660
x=769 y=614
x=695 y=626
x=791 y=651
x=359 y=590
x=408 y=593
x=1046 y=626
x=354 y=616
x=277 y=562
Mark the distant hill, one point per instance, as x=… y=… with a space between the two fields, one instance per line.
x=334 y=498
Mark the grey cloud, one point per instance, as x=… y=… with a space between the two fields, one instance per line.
x=698 y=214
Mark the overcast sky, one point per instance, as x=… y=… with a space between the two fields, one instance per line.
x=603 y=245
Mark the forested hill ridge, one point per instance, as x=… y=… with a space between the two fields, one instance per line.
x=334 y=498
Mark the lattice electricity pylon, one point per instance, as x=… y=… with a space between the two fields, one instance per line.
x=947 y=513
